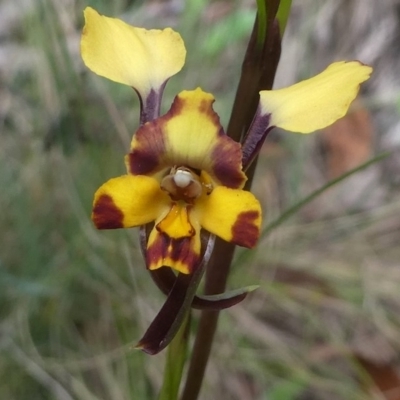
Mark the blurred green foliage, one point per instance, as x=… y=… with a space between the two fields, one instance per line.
x=73 y=301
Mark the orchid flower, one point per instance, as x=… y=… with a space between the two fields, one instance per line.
x=184 y=175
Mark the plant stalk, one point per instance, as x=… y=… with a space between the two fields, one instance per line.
x=258 y=72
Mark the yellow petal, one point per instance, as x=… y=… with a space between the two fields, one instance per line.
x=233 y=215
x=317 y=102
x=128 y=201
x=143 y=59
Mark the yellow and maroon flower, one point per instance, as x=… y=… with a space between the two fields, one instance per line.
x=184 y=174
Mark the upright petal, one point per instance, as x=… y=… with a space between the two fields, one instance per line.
x=128 y=201
x=190 y=135
x=317 y=102
x=143 y=59
x=233 y=215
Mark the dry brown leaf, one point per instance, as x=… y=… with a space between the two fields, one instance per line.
x=385 y=378
x=348 y=142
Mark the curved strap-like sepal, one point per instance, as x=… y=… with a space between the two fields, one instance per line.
x=171 y=316
x=165 y=279
x=223 y=300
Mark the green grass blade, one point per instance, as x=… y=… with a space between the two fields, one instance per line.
x=296 y=207
x=176 y=356
x=283 y=14
x=262 y=21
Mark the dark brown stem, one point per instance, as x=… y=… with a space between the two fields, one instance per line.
x=258 y=72
x=216 y=278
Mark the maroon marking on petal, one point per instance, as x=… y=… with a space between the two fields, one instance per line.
x=106 y=215
x=149 y=148
x=177 y=106
x=158 y=249
x=205 y=107
x=227 y=157
x=181 y=250
x=245 y=232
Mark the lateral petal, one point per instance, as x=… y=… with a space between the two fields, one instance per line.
x=128 y=201
x=141 y=58
x=233 y=215
x=316 y=102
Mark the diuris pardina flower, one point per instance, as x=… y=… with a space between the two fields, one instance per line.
x=184 y=174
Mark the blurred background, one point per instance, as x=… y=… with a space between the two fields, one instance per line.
x=325 y=322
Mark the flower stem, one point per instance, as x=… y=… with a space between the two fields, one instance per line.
x=176 y=355
x=216 y=278
x=258 y=72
